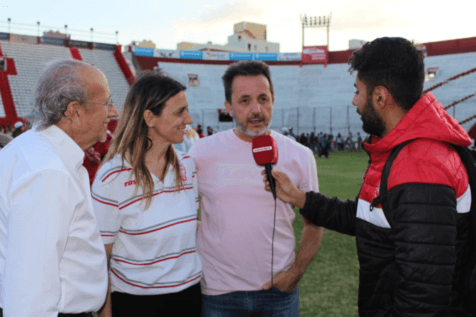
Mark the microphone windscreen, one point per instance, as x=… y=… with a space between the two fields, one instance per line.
x=265 y=150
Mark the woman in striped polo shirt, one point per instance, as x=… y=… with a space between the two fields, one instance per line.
x=146 y=201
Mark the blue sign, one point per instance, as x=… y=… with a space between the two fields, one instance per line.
x=241 y=56
x=266 y=56
x=143 y=51
x=191 y=54
x=52 y=41
x=4 y=36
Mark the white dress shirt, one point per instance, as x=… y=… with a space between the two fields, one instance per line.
x=52 y=259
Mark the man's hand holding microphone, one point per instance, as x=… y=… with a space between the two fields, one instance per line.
x=285 y=189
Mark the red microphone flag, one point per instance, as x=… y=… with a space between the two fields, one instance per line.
x=265 y=150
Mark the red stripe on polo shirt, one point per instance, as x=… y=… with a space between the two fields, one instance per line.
x=104 y=202
x=157 y=229
x=147 y=287
x=121 y=170
x=157 y=261
x=107 y=235
x=164 y=191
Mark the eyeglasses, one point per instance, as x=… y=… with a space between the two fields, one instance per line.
x=109 y=103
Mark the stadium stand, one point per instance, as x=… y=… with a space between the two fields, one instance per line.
x=316 y=97
x=308 y=97
x=106 y=62
x=28 y=61
x=456 y=82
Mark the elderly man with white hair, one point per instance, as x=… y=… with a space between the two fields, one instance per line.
x=52 y=259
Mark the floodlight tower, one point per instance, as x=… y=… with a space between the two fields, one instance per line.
x=316 y=22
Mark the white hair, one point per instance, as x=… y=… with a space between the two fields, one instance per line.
x=59 y=84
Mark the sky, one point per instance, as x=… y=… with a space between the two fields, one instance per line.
x=167 y=23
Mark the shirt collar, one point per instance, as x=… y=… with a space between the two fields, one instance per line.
x=69 y=150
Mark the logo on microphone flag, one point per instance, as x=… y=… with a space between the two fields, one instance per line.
x=261 y=149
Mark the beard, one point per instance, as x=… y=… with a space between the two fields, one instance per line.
x=241 y=126
x=372 y=122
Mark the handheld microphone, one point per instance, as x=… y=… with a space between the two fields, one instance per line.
x=265 y=153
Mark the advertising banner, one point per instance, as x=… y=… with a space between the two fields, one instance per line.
x=314 y=55
x=217 y=56
x=266 y=56
x=104 y=46
x=52 y=41
x=289 y=56
x=16 y=38
x=79 y=44
x=241 y=56
x=4 y=36
x=166 y=53
x=143 y=51
x=191 y=54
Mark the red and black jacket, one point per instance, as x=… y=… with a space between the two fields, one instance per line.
x=411 y=267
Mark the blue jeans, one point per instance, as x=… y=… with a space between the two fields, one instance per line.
x=252 y=304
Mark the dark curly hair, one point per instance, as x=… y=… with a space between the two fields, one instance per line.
x=245 y=68
x=394 y=63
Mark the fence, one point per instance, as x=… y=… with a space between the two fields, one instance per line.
x=38 y=30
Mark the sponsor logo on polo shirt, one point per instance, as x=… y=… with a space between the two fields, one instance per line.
x=183 y=172
x=129 y=183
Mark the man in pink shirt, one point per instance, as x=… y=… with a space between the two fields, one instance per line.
x=237 y=233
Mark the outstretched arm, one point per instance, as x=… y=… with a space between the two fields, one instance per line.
x=285 y=189
x=318 y=209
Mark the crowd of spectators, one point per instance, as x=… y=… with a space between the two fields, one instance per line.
x=323 y=143
x=199 y=131
x=8 y=133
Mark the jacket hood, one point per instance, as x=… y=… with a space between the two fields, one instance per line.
x=426 y=120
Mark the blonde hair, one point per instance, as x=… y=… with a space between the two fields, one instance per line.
x=150 y=92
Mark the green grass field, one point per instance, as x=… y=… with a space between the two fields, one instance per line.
x=329 y=286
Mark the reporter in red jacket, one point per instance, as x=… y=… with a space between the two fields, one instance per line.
x=409 y=264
